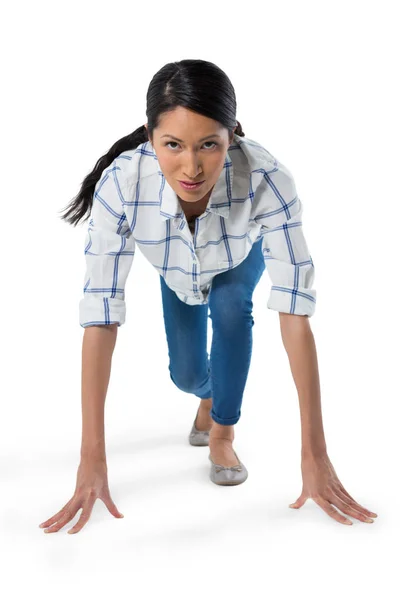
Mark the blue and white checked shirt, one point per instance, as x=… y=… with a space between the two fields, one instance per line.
x=134 y=206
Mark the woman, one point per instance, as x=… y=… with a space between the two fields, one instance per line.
x=210 y=240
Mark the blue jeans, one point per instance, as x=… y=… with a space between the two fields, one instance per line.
x=223 y=376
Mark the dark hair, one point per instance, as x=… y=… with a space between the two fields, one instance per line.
x=185 y=83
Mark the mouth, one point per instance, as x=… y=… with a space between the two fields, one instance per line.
x=190 y=186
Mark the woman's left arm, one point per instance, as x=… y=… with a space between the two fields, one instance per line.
x=320 y=481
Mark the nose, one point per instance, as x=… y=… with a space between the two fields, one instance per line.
x=193 y=170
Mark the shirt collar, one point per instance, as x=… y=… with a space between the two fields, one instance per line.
x=218 y=203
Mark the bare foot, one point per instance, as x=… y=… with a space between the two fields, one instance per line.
x=220 y=444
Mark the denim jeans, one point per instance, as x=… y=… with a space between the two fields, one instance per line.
x=223 y=376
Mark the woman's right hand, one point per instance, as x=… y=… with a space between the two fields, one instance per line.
x=92 y=483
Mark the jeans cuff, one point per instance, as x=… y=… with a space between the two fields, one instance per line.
x=224 y=421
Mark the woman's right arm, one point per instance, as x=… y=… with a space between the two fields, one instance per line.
x=92 y=478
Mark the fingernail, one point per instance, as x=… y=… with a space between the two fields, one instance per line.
x=349 y=522
x=369 y=521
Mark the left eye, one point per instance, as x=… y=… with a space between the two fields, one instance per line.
x=168 y=143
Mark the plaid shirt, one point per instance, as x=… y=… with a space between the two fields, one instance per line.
x=134 y=206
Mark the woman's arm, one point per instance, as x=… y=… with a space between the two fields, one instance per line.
x=298 y=340
x=97 y=349
x=320 y=481
x=92 y=479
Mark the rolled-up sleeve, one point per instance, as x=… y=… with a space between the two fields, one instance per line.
x=285 y=250
x=109 y=252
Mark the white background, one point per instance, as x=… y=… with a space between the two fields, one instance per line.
x=317 y=85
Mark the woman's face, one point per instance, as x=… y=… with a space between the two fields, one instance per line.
x=184 y=155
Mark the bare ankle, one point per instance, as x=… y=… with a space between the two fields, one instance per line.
x=206 y=403
x=224 y=432
x=205 y=407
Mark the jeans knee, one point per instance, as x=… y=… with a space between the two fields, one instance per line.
x=231 y=308
x=184 y=381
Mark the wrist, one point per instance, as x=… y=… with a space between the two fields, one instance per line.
x=89 y=459
x=313 y=451
x=93 y=453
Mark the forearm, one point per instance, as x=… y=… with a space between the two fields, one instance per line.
x=97 y=349
x=299 y=344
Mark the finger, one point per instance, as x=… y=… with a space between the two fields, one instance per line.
x=348 y=509
x=354 y=504
x=85 y=515
x=68 y=515
x=56 y=516
x=345 y=492
x=111 y=507
x=331 y=511
x=299 y=502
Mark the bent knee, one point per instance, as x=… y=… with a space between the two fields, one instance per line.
x=231 y=306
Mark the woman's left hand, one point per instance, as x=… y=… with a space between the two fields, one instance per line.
x=321 y=483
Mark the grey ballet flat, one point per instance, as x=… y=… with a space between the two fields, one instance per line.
x=197 y=437
x=228 y=475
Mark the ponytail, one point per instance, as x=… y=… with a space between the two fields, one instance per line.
x=80 y=207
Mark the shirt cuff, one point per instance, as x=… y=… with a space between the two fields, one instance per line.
x=101 y=311
x=295 y=301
